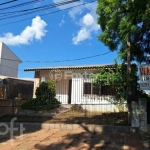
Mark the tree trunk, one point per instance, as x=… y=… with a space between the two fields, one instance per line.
x=128 y=81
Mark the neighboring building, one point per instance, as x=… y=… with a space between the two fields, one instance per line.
x=15 y=88
x=8 y=67
x=74 y=85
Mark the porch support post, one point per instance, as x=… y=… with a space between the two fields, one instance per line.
x=37 y=81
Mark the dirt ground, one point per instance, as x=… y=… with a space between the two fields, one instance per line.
x=43 y=139
x=75 y=117
x=91 y=118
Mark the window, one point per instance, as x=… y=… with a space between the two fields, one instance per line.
x=87 y=88
x=90 y=89
x=102 y=90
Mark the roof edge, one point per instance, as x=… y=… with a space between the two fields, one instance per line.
x=70 y=67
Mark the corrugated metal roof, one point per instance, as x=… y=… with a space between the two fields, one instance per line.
x=72 y=67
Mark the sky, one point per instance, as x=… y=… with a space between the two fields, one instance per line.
x=64 y=35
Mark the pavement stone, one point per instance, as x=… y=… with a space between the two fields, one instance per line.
x=79 y=139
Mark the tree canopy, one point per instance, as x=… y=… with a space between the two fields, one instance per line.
x=116 y=77
x=125 y=21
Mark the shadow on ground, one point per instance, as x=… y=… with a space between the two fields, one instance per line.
x=56 y=139
x=72 y=117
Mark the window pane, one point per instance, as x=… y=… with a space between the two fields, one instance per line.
x=87 y=88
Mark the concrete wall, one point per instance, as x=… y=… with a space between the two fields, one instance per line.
x=8 y=68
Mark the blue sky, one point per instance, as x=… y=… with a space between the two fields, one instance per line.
x=68 y=34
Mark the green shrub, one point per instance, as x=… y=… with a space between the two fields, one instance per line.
x=29 y=104
x=77 y=107
x=45 y=98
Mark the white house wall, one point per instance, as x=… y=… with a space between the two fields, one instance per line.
x=62 y=88
x=89 y=102
x=8 y=68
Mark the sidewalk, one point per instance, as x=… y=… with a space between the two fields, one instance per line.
x=56 y=139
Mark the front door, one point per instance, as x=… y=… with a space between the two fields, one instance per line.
x=69 y=91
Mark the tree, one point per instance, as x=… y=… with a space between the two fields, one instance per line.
x=45 y=98
x=116 y=78
x=125 y=24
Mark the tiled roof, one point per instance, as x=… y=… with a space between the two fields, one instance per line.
x=80 y=67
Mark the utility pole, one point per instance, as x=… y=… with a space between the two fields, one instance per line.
x=128 y=80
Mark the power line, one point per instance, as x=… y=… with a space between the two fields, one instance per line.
x=56 y=61
x=25 y=10
x=77 y=59
x=11 y=68
x=49 y=13
x=20 y=5
x=34 y=10
x=8 y=2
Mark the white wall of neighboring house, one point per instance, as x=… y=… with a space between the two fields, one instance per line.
x=8 y=68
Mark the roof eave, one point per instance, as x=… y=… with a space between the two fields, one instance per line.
x=69 y=68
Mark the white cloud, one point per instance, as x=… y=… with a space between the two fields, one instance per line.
x=88 y=23
x=72 y=4
x=35 y=31
x=88 y=20
x=62 y=21
x=81 y=36
x=76 y=11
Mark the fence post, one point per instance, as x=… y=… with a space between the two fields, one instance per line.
x=143 y=114
x=12 y=106
x=135 y=114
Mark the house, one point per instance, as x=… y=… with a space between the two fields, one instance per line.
x=74 y=85
x=9 y=62
x=10 y=85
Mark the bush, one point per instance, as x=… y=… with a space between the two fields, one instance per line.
x=45 y=93
x=76 y=107
x=29 y=104
x=45 y=98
